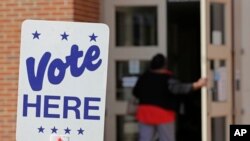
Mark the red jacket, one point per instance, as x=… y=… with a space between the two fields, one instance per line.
x=150 y=114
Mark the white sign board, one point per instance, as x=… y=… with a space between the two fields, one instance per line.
x=129 y=81
x=134 y=66
x=222 y=84
x=62 y=81
x=217 y=37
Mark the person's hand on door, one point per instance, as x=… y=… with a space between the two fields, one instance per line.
x=200 y=83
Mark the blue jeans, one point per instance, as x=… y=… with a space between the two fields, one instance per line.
x=164 y=132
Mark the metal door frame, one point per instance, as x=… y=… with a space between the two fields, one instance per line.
x=209 y=51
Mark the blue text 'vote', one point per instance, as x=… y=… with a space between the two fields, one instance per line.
x=91 y=62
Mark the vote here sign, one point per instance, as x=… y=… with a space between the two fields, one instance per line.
x=62 y=81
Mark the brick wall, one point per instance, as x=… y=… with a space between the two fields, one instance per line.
x=12 y=13
x=86 y=10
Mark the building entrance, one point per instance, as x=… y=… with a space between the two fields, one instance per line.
x=196 y=37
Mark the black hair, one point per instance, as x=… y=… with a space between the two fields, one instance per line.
x=158 y=62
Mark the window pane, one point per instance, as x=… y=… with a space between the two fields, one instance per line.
x=136 y=26
x=219 y=129
x=218 y=70
x=127 y=73
x=217 y=24
x=127 y=128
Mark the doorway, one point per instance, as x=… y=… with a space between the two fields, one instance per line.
x=197 y=35
x=184 y=60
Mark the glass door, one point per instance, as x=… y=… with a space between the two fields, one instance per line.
x=137 y=32
x=216 y=59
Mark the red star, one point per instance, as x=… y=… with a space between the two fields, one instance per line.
x=59 y=139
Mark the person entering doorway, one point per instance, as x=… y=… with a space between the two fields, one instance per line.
x=156 y=91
